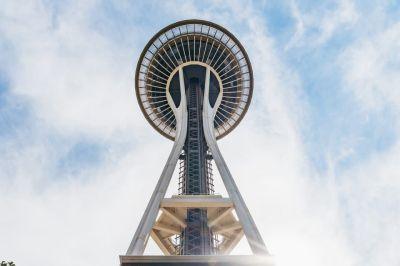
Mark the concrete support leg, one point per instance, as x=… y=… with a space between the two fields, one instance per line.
x=141 y=236
x=251 y=232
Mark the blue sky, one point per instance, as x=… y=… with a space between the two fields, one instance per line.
x=323 y=128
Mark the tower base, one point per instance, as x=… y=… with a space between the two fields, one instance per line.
x=232 y=260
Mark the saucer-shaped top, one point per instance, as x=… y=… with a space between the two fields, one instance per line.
x=186 y=43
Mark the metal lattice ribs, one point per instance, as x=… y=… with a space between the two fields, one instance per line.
x=185 y=43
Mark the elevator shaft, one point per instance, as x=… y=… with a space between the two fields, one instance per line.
x=196 y=237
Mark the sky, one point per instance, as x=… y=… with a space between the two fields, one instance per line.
x=316 y=158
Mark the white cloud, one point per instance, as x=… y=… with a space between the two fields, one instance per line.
x=316 y=26
x=371 y=202
x=75 y=78
x=371 y=68
x=371 y=71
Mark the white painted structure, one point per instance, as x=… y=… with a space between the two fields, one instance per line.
x=165 y=218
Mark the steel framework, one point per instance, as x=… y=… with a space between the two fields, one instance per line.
x=194 y=84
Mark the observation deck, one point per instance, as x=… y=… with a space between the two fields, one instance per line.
x=181 y=45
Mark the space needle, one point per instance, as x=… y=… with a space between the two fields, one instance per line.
x=194 y=84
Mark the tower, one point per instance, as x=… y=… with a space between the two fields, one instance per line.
x=194 y=84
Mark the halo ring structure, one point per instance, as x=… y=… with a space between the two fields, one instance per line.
x=191 y=42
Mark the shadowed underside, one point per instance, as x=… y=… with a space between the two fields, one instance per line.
x=190 y=42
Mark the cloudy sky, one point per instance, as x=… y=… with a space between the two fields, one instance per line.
x=317 y=157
